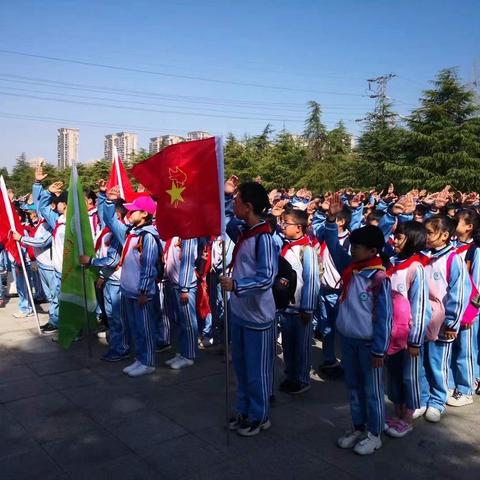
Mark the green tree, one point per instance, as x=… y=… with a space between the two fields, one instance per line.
x=315 y=134
x=21 y=178
x=444 y=146
x=381 y=146
x=281 y=167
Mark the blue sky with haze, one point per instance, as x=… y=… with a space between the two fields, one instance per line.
x=157 y=67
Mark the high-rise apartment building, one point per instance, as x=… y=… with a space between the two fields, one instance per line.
x=125 y=142
x=197 y=135
x=157 y=143
x=67 y=147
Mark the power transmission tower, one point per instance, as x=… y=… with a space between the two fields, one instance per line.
x=378 y=90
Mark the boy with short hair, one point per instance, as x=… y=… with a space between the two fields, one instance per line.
x=296 y=319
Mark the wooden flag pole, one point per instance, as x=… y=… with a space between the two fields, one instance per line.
x=11 y=222
x=227 y=345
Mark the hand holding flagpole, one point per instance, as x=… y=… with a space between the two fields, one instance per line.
x=11 y=221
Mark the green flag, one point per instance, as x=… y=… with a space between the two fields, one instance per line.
x=77 y=294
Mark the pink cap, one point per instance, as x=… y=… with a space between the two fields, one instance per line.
x=142 y=203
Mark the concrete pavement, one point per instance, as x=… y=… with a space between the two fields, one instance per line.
x=63 y=416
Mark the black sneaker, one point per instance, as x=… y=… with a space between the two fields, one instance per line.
x=49 y=329
x=477 y=390
x=114 y=357
x=250 y=429
x=237 y=422
x=285 y=385
x=163 y=348
x=331 y=370
x=297 y=388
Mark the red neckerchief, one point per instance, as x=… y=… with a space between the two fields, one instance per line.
x=103 y=233
x=57 y=226
x=463 y=248
x=33 y=230
x=126 y=248
x=256 y=230
x=301 y=241
x=372 y=263
x=417 y=257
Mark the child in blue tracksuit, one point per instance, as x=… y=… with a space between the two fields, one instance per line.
x=53 y=208
x=180 y=298
x=330 y=288
x=449 y=294
x=251 y=305
x=109 y=251
x=40 y=239
x=364 y=324
x=296 y=319
x=411 y=314
x=138 y=281
x=464 y=367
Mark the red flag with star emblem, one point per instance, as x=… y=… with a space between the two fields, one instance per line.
x=187 y=182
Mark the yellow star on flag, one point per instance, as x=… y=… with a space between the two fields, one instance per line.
x=175 y=193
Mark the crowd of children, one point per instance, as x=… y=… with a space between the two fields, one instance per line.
x=393 y=281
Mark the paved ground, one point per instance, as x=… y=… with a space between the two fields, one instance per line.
x=63 y=416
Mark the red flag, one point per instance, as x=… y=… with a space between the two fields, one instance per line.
x=8 y=221
x=118 y=176
x=187 y=181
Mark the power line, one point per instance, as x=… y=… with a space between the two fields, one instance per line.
x=296 y=108
x=171 y=75
x=120 y=107
x=90 y=97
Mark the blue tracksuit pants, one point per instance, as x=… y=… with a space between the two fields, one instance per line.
x=47 y=277
x=297 y=347
x=437 y=363
x=118 y=330
x=162 y=318
x=141 y=322
x=328 y=307
x=365 y=383
x=24 y=304
x=54 y=304
x=404 y=379
x=476 y=347
x=462 y=372
x=187 y=326
x=252 y=357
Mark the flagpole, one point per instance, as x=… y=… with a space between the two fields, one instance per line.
x=117 y=169
x=227 y=346
x=27 y=282
x=11 y=221
x=81 y=251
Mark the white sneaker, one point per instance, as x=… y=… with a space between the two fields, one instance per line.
x=350 y=438
x=22 y=314
x=419 y=412
x=433 y=414
x=368 y=445
x=132 y=367
x=181 y=362
x=459 y=400
x=141 y=370
x=173 y=359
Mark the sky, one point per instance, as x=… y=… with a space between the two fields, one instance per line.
x=158 y=67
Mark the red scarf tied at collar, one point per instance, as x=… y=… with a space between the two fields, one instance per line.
x=374 y=263
x=417 y=257
x=301 y=241
x=256 y=230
